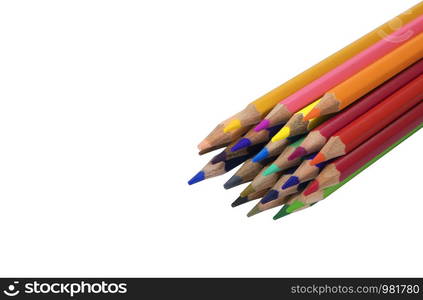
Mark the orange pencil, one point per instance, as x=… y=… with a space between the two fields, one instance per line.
x=369 y=78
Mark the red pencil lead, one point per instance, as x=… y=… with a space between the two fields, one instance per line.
x=299 y=152
x=311 y=188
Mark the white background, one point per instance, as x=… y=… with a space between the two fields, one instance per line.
x=102 y=106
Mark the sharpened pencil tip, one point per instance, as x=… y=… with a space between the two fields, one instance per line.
x=242 y=143
x=271 y=195
x=197 y=178
x=248 y=190
x=219 y=157
x=271 y=169
x=204 y=145
x=299 y=152
x=319 y=158
x=254 y=211
x=293 y=180
x=281 y=213
x=264 y=124
x=233 y=182
x=282 y=134
x=314 y=113
x=311 y=188
x=289 y=209
x=239 y=201
x=232 y=126
x=263 y=154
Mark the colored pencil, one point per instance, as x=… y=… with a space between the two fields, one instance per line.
x=318 y=87
x=261 y=207
x=214 y=145
x=252 y=137
x=227 y=154
x=344 y=166
x=274 y=149
x=362 y=128
x=247 y=172
x=318 y=137
x=296 y=124
x=305 y=172
x=260 y=183
x=215 y=169
x=282 y=162
x=249 y=197
x=255 y=111
x=369 y=78
x=302 y=201
x=276 y=197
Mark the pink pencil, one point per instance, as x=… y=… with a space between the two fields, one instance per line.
x=290 y=105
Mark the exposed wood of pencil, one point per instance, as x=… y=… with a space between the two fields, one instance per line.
x=217 y=141
x=250 y=197
x=318 y=87
x=317 y=138
x=261 y=207
x=261 y=182
x=358 y=131
x=257 y=109
x=388 y=137
x=369 y=78
x=247 y=172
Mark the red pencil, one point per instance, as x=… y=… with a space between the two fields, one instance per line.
x=344 y=166
x=318 y=137
x=358 y=131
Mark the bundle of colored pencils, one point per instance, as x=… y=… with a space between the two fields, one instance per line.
x=305 y=139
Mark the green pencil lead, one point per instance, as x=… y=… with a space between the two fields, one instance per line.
x=271 y=169
x=289 y=209
x=294 y=206
x=281 y=213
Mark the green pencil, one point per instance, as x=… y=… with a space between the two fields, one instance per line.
x=302 y=202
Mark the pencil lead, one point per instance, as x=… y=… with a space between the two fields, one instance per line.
x=281 y=213
x=233 y=182
x=242 y=143
x=197 y=178
x=254 y=211
x=274 y=130
x=314 y=113
x=299 y=152
x=219 y=157
x=271 y=195
x=282 y=134
x=293 y=180
x=204 y=145
x=302 y=186
x=240 y=200
x=271 y=169
x=263 y=154
x=288 y=209
x=319 y=158
x=248 y=190
x=264 y=124
x=232 y=126
x=311 y=188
